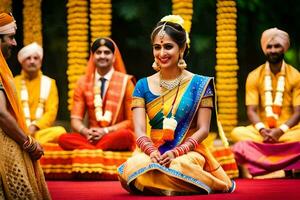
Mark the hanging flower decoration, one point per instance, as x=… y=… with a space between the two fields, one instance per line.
x=5 y=6
x=32 y=22
x=78 y=43
x=100 y=15
x=184 y=8
x=227 y=65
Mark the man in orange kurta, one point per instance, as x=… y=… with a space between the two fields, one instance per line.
x=104 y=94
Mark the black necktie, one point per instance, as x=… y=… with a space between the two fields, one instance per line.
x=102 y=79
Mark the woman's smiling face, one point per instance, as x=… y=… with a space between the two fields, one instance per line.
x=166 y=52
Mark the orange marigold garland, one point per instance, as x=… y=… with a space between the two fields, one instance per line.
x=32 y=22
x=5 y=6
x=78 y=43
x=227 y=65
x=184 y=8
x=100 y=15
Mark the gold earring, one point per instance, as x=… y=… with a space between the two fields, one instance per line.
x=181 y=62
x=155 y=66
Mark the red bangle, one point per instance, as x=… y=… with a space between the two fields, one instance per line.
x=145 y=144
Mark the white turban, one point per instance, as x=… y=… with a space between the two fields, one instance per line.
x=276 y=34
x=29 y=50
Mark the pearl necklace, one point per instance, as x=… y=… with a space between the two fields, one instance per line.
x=105 y=118
x=273 y=109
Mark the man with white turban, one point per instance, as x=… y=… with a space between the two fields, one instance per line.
x=273 y=108
x=21 y=176
x=38 y=94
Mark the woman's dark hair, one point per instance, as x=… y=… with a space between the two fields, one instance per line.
x=175 y=31
x=99 y=43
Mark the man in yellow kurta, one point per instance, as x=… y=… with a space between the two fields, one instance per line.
x=272 y=95
x=38 y=94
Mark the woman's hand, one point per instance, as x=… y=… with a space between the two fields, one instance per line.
x=167 y=158
x=155 y=156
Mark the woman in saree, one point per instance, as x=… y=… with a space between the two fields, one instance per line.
x=172 y=160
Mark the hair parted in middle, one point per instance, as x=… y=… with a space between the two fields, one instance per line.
x=174 y=30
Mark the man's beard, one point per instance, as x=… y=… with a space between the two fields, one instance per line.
x=6 y=50
x=275 y=58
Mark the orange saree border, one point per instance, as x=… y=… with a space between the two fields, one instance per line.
x=116 y=91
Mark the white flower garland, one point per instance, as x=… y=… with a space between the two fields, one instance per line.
x=268 y=91
x=98 y=103
x=44 y=93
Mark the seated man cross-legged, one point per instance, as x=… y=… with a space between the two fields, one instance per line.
x=102 y=97
x=105 y=94
x=38 y=94
x=272 y=142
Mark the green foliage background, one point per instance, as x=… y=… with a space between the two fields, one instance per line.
x=133 y=21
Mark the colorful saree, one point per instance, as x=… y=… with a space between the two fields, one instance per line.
x=196 y=172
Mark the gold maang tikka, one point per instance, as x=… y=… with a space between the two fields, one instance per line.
x=162 y=32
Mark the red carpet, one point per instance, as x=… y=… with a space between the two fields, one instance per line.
x=246 y=189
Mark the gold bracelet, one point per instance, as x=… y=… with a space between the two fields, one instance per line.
x=30 y=145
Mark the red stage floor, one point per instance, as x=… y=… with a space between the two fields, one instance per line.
x=274 y=189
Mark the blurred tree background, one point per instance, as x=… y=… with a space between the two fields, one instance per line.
x=133 y=21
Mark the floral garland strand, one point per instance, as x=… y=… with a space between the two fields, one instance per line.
x=273 y=108
x=32 y=22
x=100 y=15
x=78 y=45
x=184 y=8
x=5 y=6
x=227 y=65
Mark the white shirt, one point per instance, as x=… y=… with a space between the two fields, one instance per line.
x=107 y=76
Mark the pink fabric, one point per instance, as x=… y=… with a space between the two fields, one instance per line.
x=262 y=158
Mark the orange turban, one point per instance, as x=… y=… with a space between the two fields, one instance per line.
x=7 y=24
x=276 y=34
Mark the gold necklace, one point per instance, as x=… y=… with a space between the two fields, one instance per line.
x=169 y=123
x=170 y=84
